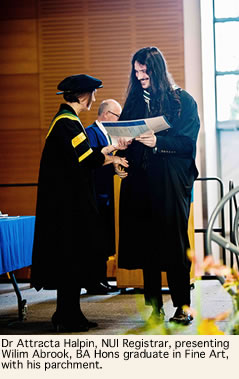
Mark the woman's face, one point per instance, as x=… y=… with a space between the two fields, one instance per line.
x=141 y=74
x=87 y=99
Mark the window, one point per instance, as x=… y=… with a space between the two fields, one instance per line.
x=226 y=31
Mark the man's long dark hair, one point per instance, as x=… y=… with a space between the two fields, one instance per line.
x=164 y=98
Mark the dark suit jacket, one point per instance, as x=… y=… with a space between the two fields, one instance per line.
x=104 y=184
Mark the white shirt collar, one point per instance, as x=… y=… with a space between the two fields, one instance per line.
x=102 y=128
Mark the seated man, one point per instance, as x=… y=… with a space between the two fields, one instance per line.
x=109 y=110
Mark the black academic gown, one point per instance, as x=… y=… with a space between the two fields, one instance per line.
x=68 y=228
x=155 y=197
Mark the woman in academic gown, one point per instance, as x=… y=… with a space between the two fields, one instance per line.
x=68 y=231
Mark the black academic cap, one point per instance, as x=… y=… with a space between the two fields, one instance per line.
x=78 y=83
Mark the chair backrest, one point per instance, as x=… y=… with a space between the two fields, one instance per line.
x=224 y=242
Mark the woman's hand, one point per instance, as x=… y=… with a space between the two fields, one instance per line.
x=148 y=139
x=108 y=149
x=120 y=171
x=120 y=161
x=122 y=144
x=113 y=158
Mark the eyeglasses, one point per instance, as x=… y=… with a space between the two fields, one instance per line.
x=115 y=114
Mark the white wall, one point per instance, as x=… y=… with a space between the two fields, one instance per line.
x=193 y=84
x=199 y=81
x=208 y=81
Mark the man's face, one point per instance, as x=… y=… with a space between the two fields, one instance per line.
x=112 y=112
x=141 y=74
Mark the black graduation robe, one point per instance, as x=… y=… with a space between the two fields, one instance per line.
x=155 y=197
x=68 y=228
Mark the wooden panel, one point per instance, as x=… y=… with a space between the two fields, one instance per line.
x=19 y=163
x=165 y=31
x=62 y=43
x=191 y=236
x=18 y=9
x=43 y=134
x=111 y=267
x=60 y=8
x=18 y=47
x=19 y=102
x=23 y=273
x=129 y=278
x=18 y=201
x=20 y=156
x=99 y=38
x=19 y=105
